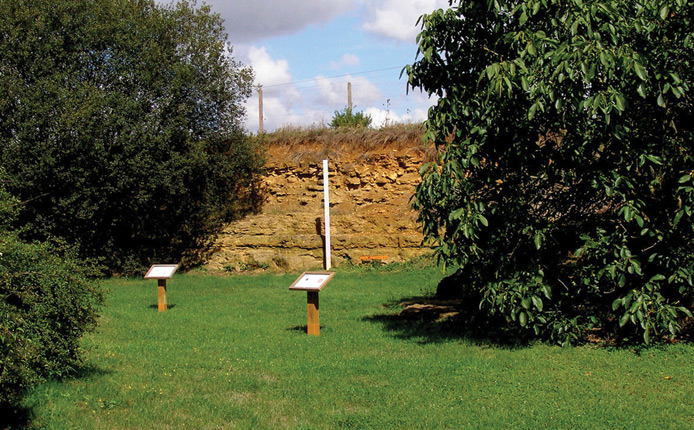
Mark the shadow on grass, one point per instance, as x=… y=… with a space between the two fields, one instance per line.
x=88 y=371
x=14 y=417
x=427 y=320
x=304 y=329
x=156 y=306
x=298 y=328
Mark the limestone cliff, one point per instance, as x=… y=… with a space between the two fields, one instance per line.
x=370 y=189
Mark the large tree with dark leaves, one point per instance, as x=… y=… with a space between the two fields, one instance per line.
x=120 y=125
x=564 y=186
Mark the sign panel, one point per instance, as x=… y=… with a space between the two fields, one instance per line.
x=161 y=271
x=312 y=281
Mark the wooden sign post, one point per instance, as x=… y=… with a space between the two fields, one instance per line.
x=312 y=283
x=161 y=272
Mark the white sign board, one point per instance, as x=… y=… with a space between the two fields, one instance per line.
x=312 y=281
x=161 y=271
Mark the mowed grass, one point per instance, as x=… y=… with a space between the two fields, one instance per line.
x=232 y=352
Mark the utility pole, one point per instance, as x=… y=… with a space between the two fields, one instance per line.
x=349 y=97
x=260 y=109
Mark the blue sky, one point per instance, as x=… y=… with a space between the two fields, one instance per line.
x=304 y=52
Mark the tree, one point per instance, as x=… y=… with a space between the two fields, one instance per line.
x=564 y=188
x=120 y=125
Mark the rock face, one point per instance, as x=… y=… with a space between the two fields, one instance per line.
x=370 y=214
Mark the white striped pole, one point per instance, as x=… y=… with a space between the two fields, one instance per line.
x=326 y=204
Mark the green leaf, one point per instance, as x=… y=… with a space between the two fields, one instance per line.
x=537 y=302
x=492 y=70
x=639 y=220
x=621 y=102
x=640 y=71
x=526 y=302
x=483 y=220
x=523 y=319
x=538 y=240
x=456 y=214
x=685 y=311
x=678 y=216
x=536 y=8
x=661 y=100
x=524 y=83
x=664 y=12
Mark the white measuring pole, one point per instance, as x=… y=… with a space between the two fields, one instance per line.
x=326 y=205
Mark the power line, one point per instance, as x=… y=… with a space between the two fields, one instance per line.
x=330 y=77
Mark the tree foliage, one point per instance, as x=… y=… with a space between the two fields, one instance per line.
x=564 y=188
x=120 y=125
x=347 y=118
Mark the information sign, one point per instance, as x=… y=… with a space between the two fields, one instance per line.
x=161 y=271
x=312 y=281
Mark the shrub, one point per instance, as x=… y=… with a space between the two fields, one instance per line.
x=347 y=118
x=47 y=302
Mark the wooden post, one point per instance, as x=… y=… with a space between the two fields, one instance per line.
x=326 y=205
x=260 y=110
x=162 y=295
x=349 y=97
x=313 y=327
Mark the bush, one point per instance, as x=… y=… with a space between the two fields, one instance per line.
x=347 y=118
x=47 y=303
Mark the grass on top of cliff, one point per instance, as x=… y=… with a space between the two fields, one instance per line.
x=232 y=352
x=295 y=144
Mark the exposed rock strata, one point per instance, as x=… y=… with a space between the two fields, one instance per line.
x=370 y=214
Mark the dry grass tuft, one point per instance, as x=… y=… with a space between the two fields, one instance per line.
x=294 y=145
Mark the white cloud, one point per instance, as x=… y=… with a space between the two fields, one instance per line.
x=267 y=71
x=332 y=95
x=386 y=117
x=347 y=60
x=397 y=19
x=253 y=20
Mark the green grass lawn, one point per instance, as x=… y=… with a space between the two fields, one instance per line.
x=231 y=352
